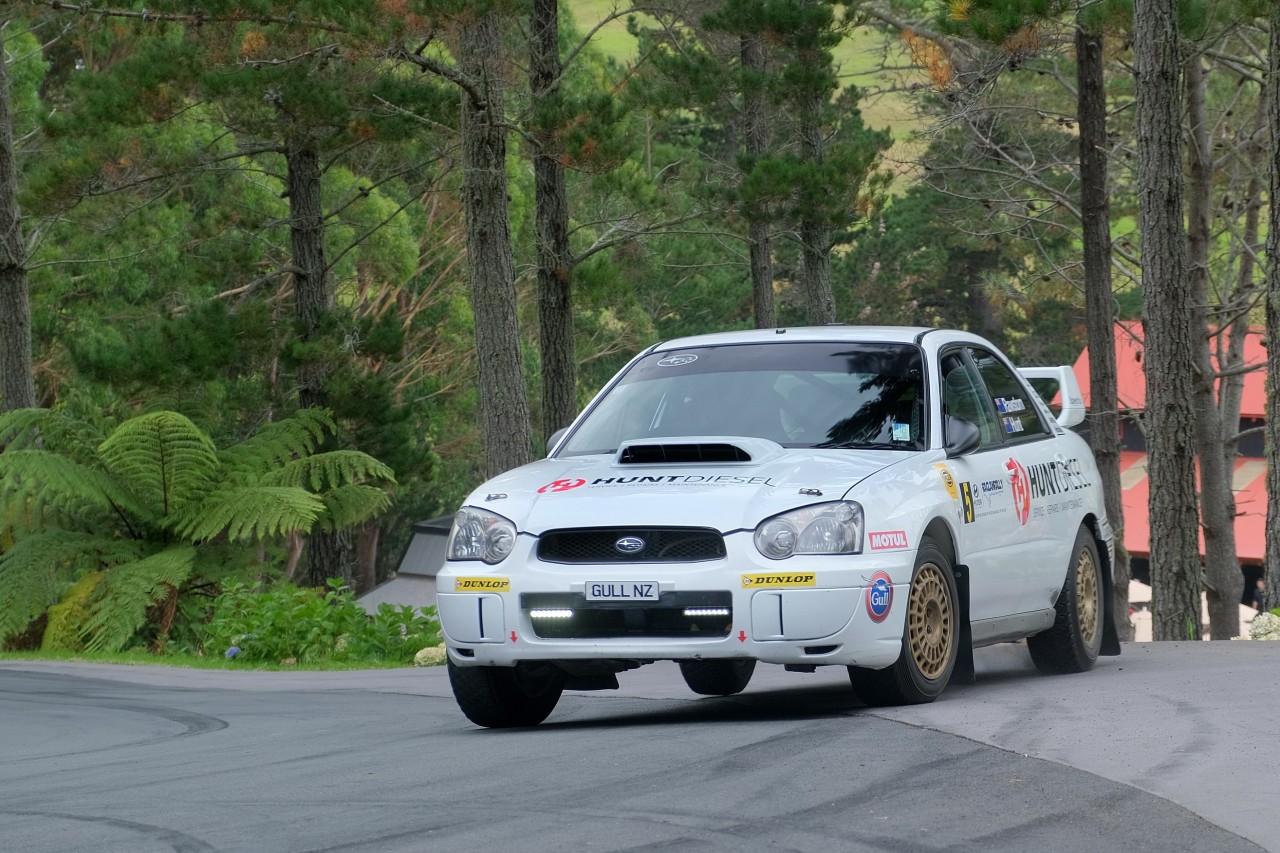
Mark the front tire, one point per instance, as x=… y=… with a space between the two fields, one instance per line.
x=501 y=697
x=930 y=638
x=1073 y=643
x=717 y=677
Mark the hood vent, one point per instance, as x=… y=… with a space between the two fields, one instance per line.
x=649 y=454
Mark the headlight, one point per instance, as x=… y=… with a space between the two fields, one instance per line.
x=479 y=535
x=834 y=528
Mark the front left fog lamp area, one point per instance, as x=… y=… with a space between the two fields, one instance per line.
x=480 y=535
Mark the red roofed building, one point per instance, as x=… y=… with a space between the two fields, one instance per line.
x=1249 y=482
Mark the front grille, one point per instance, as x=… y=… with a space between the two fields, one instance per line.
x=661 y=545
x=676 y=614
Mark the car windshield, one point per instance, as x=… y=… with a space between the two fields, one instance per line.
x=855 y=395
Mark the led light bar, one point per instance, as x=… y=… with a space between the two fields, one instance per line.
x=551 y=613
x=706 y=611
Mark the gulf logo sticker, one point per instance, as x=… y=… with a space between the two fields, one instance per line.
x=948 y=480
x=879 y=597
x=481 y=584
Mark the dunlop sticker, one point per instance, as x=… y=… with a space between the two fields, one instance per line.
x=766 y=580
x=481 y=584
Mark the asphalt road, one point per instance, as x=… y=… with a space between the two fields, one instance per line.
x=1169 y=747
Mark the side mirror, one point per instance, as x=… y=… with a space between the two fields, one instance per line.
x=962 y=436
x=555 y=439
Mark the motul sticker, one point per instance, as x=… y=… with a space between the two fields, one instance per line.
x=760 y=580
x=481 y=584
x=888 y=540
x=879 y=597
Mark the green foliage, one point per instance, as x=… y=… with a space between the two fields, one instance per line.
x=153 y=508
x=307 y=625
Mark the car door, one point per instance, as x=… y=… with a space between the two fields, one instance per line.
x=1034 y=476
x=989 y=533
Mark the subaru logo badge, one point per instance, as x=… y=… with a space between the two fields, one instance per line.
x=629 y=545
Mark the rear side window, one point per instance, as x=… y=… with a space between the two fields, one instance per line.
x=1019 y=417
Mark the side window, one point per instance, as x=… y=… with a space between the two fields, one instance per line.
x=1019 y=417
x=964 y=397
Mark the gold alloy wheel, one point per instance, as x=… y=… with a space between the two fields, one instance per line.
x=931 y=622
x=1087 y=603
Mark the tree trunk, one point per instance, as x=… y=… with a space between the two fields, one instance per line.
x=504 y=408
x=1169 y=329
x=366 y=574
x=17 y=378
x=1271 y=596
x=1217 y=505
x=755 y=142
x=1104 y=427
x=555 y=263
x=1231 y=387
x=328 y=552
x=313 y=297
x=815 y=237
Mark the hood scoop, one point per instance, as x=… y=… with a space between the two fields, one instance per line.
x=682 y=453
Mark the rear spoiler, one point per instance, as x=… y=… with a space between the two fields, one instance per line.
x=1058 y=385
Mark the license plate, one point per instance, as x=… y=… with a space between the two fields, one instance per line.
x=621 y=590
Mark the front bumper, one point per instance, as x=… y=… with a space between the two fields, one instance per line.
x=805 y=610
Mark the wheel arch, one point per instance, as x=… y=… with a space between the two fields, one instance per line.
x=1110 y=634
x=941 y=533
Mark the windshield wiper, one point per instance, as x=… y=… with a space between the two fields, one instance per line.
x=863 y=445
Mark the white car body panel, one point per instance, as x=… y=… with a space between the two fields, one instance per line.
x=1011 y=513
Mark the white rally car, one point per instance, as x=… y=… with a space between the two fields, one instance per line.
x=885 y=499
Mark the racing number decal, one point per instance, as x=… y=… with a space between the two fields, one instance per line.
x=966 y=498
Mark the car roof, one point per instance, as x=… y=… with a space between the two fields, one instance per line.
x=800 y=334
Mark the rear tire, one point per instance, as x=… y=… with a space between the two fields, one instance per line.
x=930 y=638
x=717 y=677
x=501 y=697
x=1073 y=643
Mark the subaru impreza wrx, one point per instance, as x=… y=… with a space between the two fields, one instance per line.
x=882 y=499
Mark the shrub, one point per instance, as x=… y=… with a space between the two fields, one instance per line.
x=306 y=625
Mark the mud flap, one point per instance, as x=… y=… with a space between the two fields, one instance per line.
x=963 y=672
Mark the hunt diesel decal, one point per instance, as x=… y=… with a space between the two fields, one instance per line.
x=481 y=584
x=759 y=580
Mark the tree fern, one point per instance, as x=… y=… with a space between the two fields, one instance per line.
x=250 y=513
x=120 y=603
x=35 y=572
x=276 y=444
x=164 y=457
x=37 y=479
x=49 y=429
x=326 y=471
x=348 y=506
x=75 y=504
x=65 y=618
